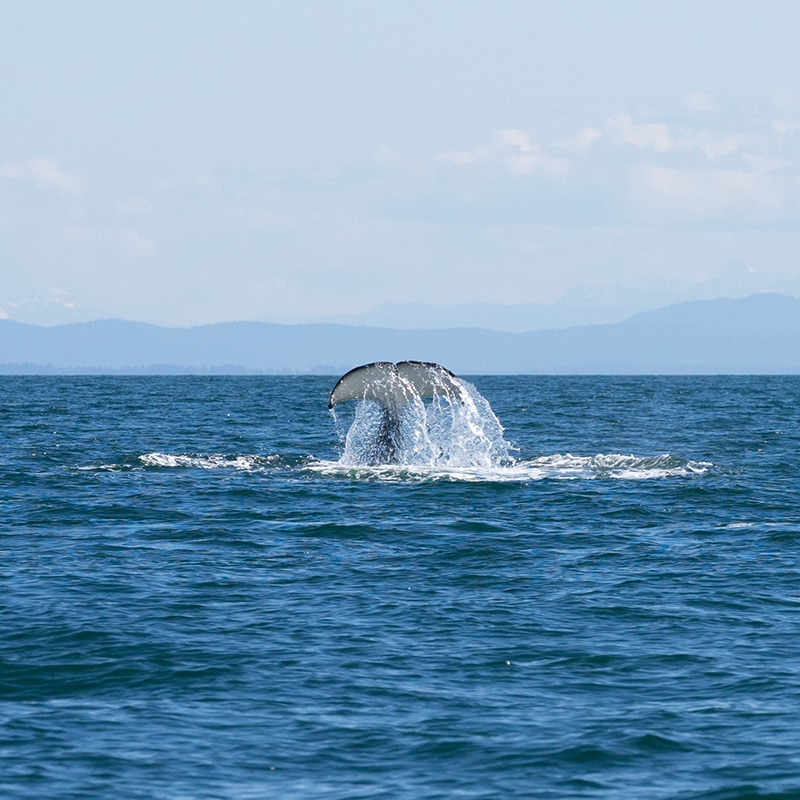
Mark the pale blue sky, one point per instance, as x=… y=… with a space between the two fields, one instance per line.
x=191 y=162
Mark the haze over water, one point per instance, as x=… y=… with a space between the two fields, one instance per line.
x=202 y=598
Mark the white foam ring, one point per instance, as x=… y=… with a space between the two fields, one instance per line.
x=442 y=432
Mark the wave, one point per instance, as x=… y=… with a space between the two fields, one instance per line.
x=213 y=461
x=553 y=467
x=246 y=463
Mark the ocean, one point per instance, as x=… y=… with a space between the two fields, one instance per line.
x=206 y=595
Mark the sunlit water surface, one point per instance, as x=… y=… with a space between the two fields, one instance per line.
x=588 y=588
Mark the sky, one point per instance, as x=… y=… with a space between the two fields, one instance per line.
x=187 y=162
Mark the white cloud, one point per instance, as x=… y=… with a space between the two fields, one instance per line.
x=46 y=174
x=782 y=126
x=3 y=313
x=714 y=145
x=763 y=164
x=61 y=298
x=711 y=193
x=656 y=136
x=637 y=189
x=514 y=151
x=581 y=142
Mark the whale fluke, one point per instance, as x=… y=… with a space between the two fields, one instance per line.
x=394 y=385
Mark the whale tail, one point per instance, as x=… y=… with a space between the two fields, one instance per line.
x=392 y=386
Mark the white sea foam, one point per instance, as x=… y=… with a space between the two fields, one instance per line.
x=624 y=467
x=553 y=467
x=213 y=461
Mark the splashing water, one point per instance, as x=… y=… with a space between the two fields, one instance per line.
x=444 y=430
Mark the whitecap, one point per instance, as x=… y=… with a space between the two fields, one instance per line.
x=552 y=467
x=213 y=461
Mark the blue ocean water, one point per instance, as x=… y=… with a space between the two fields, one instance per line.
x=200 y=601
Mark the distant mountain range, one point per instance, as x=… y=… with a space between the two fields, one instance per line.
x=513 y=318
x=756 y=334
